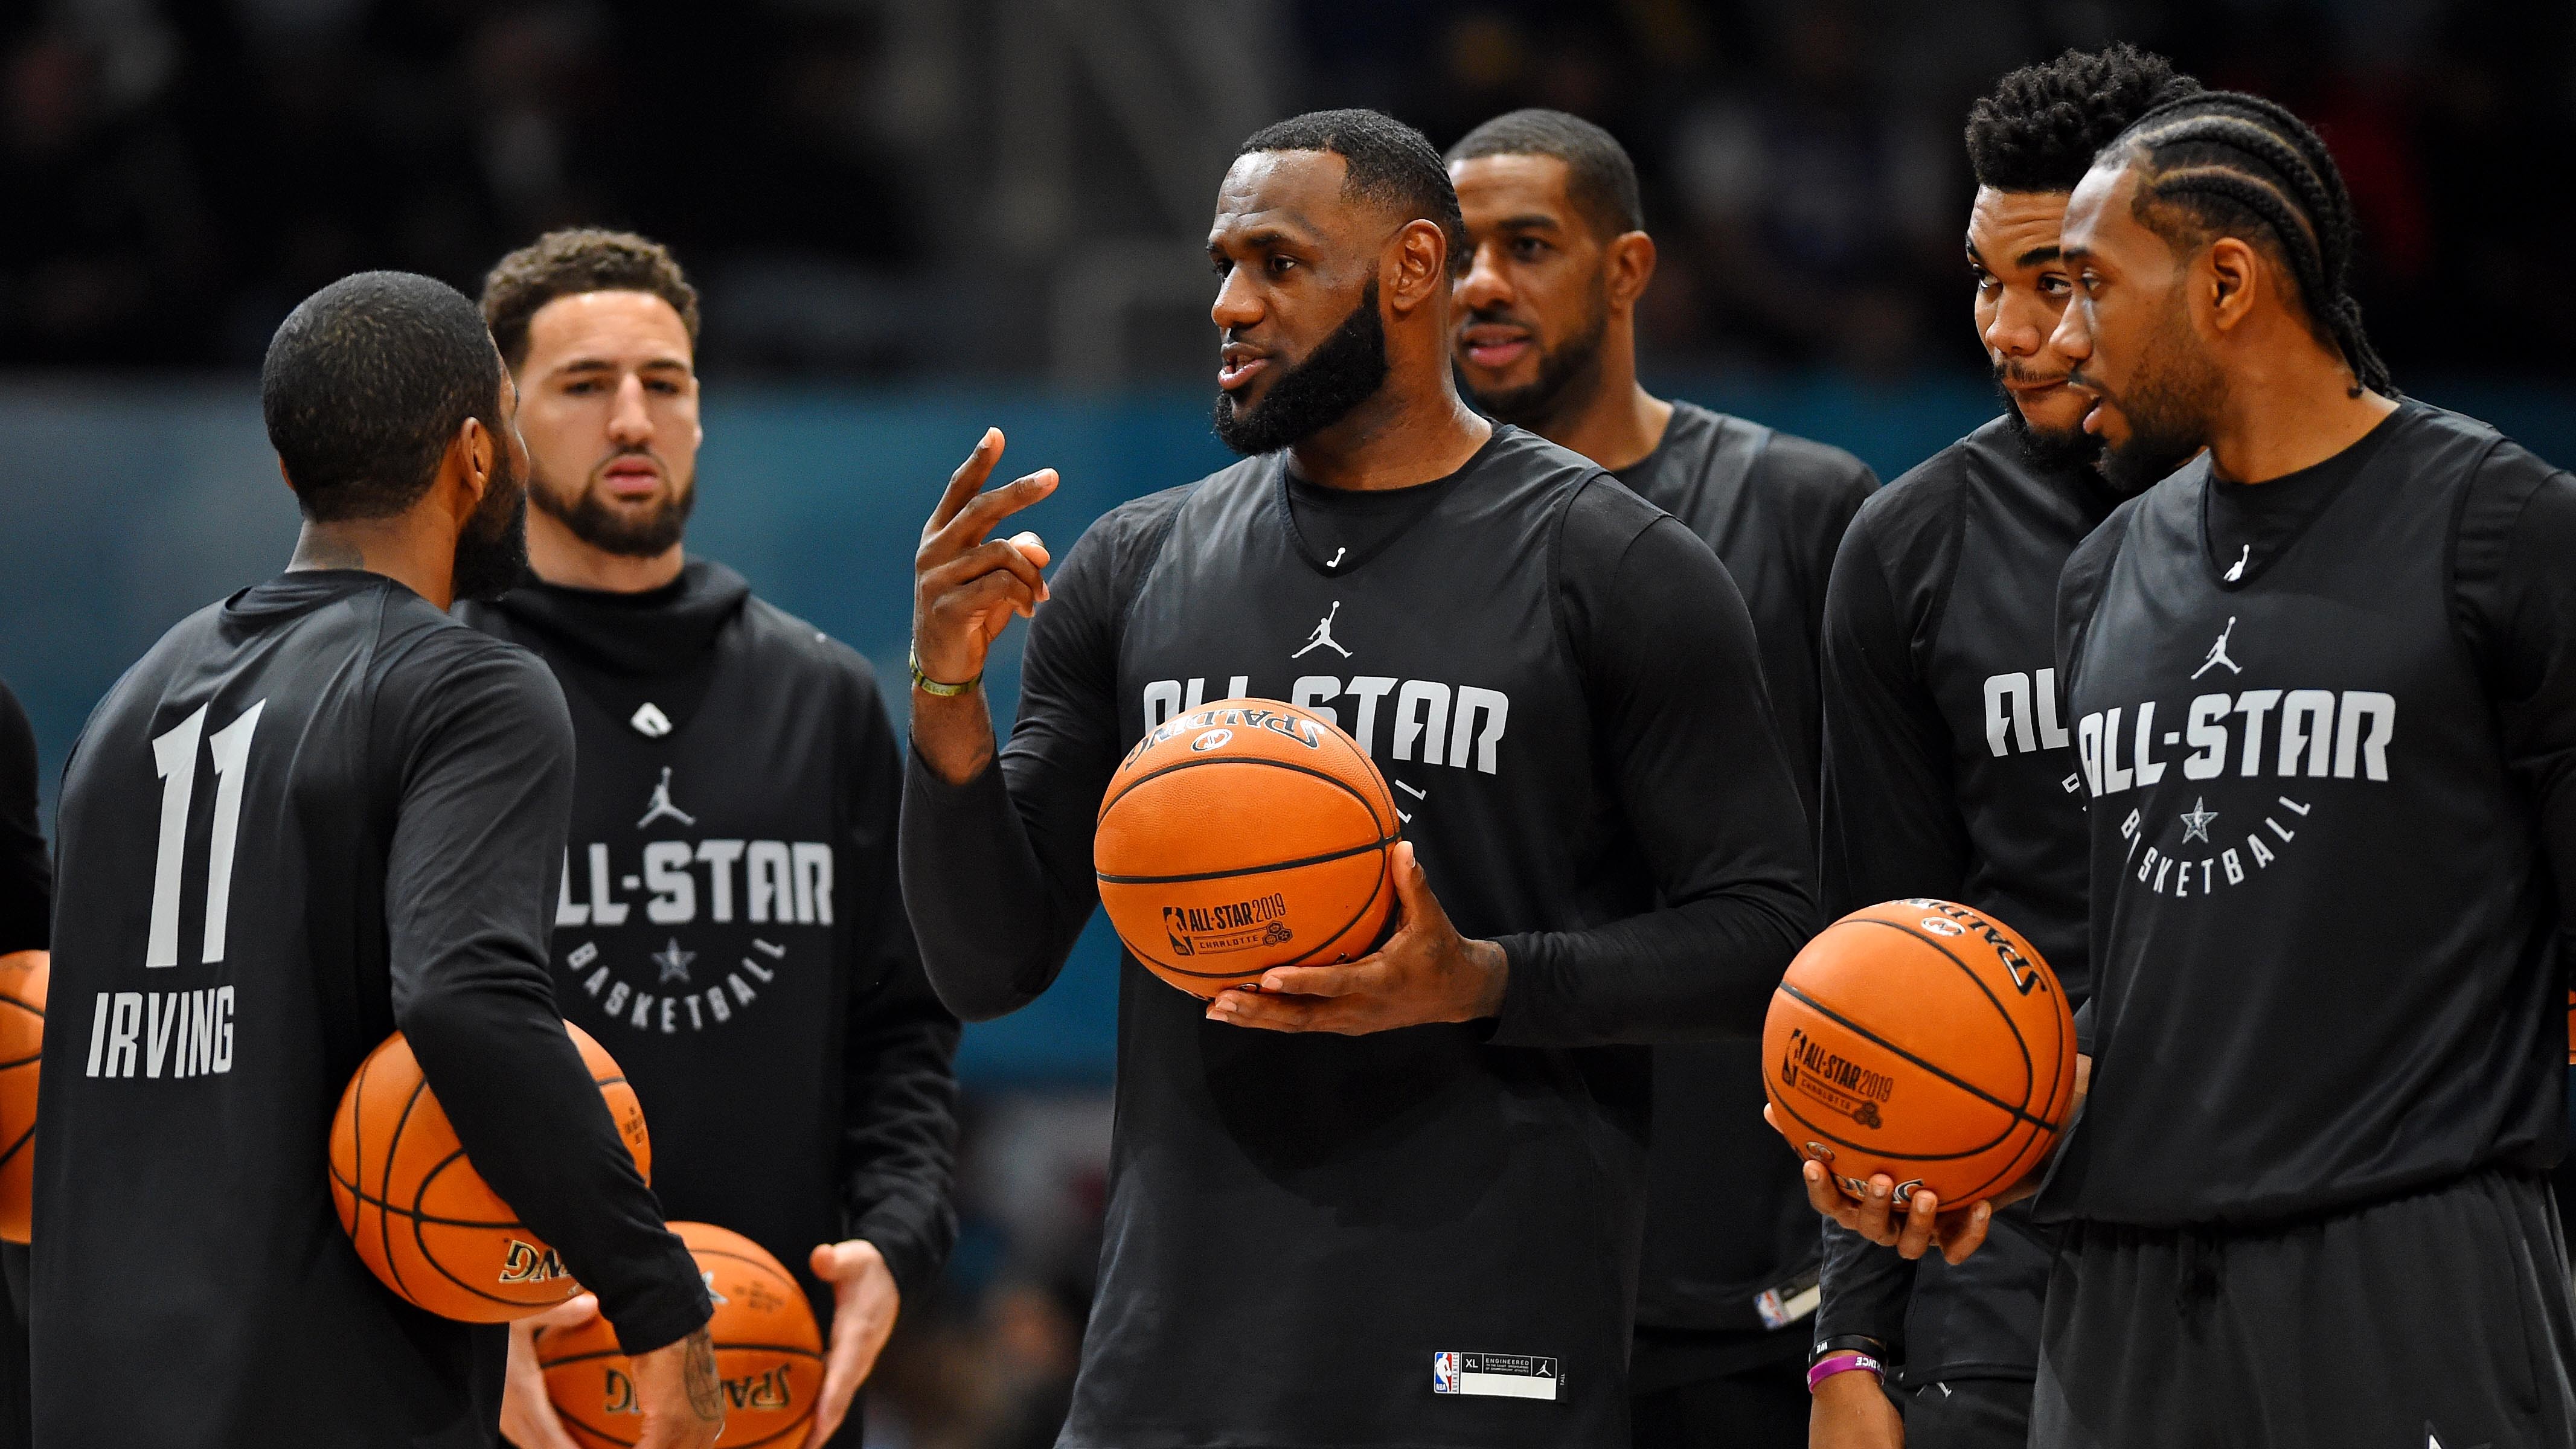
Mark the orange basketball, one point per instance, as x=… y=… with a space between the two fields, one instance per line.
x=1242 y=836
x=22 y=1045
x=1924 y=1040
x=769 y=1353
x=423 y=1219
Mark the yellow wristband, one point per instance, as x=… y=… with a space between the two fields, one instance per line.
x=928 y=685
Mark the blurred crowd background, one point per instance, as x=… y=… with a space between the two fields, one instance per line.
x=998 y=205
x=874 y=188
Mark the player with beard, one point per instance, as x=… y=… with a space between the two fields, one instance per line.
x=761 y=989
x=2322 y=683
x=1394 y=1202
x=1948 y=771
x=314 y=814
x=1546 y=339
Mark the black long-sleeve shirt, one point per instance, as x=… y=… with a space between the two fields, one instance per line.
x=26 y=875
x=742 y=945
x=313 y=814
x=1731 y=1251
x=1948 y=773
x=2343 y=749
x=1562 y=686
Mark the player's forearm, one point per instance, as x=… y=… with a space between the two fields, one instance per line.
x=1690 y=972
x=899 y=1135
x=994 y=923
x=1866 y=1289
x=533 y=1124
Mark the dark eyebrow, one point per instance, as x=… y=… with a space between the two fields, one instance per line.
x=2037 y=255
x=601 y=364
x=1975 y=255
x=1535 y=221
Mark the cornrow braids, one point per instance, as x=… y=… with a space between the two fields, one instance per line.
x=2223 y=161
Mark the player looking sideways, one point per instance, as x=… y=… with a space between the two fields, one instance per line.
x=1326 y=1197
x=1545 y=319
x=746 y=765
x=2304 y=1204
x=322 y=810
x=1948 y=771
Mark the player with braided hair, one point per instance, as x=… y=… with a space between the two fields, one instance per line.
x=1944 y=759
x=2322 y=688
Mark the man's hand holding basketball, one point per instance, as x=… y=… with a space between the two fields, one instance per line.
x=966 y=588
x=1923 y=1223
x=1426 y=972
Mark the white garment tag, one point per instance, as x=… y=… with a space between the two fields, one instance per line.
x=1494 y=1375
x=1779 y=1307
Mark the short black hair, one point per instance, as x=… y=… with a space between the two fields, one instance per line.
x=1387 y=161
x=2040 y=130
x=366 y=383
x=2224 y=163
x=1599 y=178
x=575 y=260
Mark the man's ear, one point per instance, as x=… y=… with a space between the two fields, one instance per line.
x=471 y=456
x=1630 y=261
x=1416 y=269
x=2228 y=276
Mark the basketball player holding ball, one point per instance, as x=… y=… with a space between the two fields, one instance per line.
x=2322 y=683
x=1948 y=771
x=315 y=813
x=1546 y=339
x=1394 y=1202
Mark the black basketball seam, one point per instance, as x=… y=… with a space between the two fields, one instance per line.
x=1381 y=843
x=420 y=1220
x=23 y=1139
x=385 y=1188
x=1158 y=963
x=2029 y=1076
x=16 y=1062
x=1333 y=780
x=2018 y=1113
x=1376 y=888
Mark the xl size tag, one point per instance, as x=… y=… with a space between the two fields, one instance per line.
x=1495 y=1375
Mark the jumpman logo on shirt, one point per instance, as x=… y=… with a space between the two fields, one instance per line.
x=2236 y=570
x=2218 y=653
x=660 y=806
x=1322 y=638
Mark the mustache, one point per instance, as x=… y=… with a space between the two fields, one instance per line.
x=1496 y=316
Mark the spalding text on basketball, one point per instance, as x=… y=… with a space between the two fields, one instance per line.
x=766 y=1390
x=2025 y=977
x=529 y=1262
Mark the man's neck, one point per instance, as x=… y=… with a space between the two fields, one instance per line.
x=393 y=547
x=1395 y=440
x=1614 y=426
x=559 y=556
x=2279 y=420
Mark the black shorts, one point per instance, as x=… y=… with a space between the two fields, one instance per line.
x=2443 y=1319
x=1966 y=1414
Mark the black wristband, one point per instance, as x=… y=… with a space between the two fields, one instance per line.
x=1847 y=1343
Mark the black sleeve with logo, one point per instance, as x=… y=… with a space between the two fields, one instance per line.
x=1945 y=775
x=1637 y=600
x=26 y=876
x=310 y=816
x=2428 y=580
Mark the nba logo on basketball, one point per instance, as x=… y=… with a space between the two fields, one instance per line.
x=1174 y=923
x=1444 y=1373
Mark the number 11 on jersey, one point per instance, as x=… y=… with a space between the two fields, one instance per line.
x=174 y=756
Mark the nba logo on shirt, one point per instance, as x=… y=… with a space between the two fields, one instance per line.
x=1444 y=1373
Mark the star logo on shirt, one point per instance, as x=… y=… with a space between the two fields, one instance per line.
x=674 y=961
x=2195 y=821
